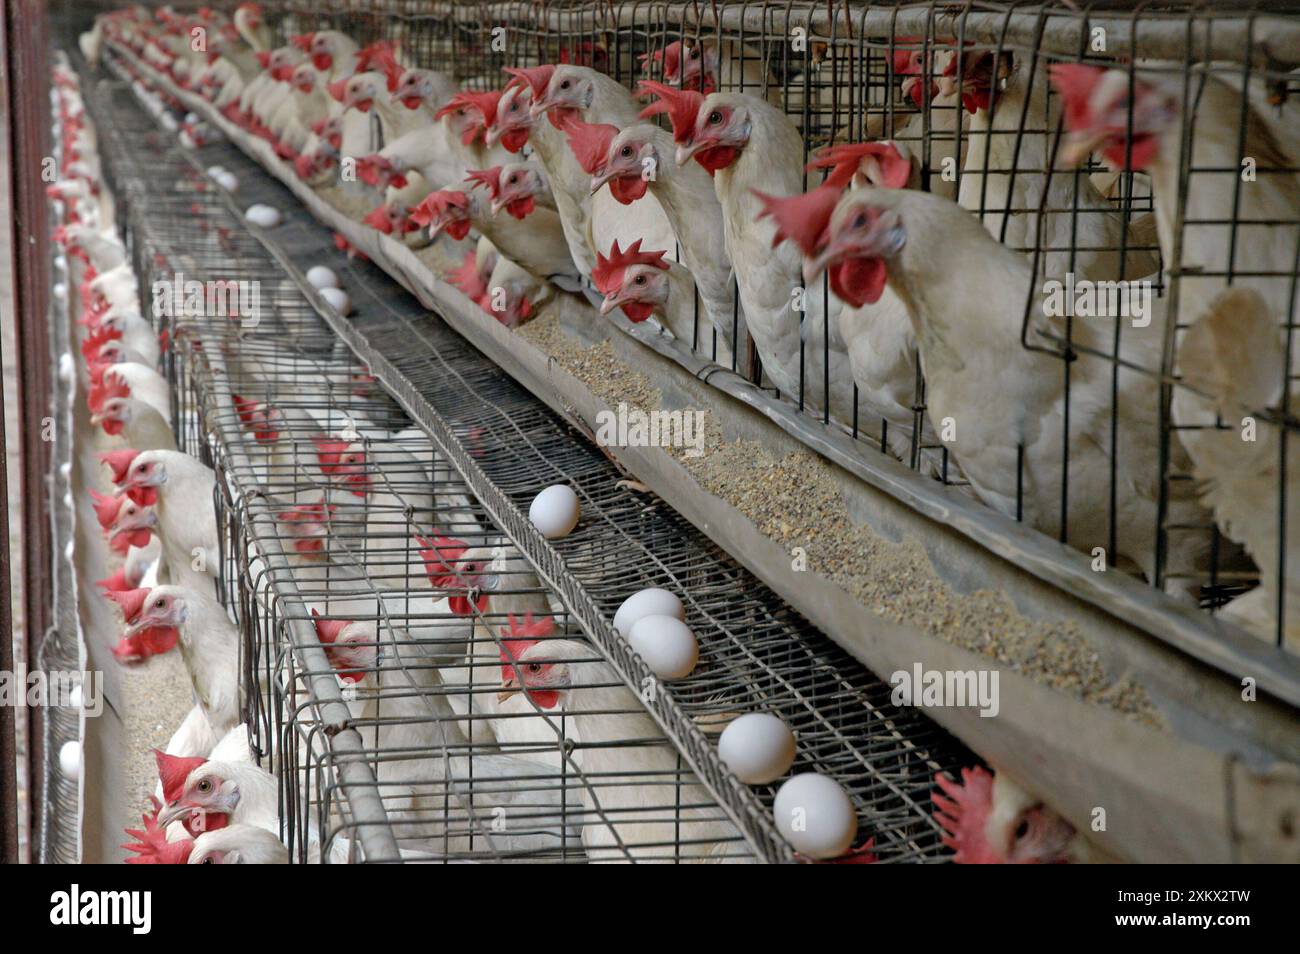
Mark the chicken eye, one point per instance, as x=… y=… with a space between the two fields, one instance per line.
x=640 y=279
x=512 y=180
x=695 y=52
x=204 y=786
x=715 y=118
x=626 y=152
x=208 y=861
x=861 y=221
x=160 y=603
x=564 y=85
x=534 y=667
x=1022 y=829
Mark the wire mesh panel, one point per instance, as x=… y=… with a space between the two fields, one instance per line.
x=1135 y=176
x=479 y=722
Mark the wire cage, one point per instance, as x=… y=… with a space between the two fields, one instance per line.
x=967 y=94
x=386 y=616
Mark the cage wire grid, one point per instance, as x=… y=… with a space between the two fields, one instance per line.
x=756 y=652
x=843 y=82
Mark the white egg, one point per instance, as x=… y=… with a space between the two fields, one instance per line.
x=322 y=277
x=555 y=511
x=758 y=748
x=74 y=697
x=215 y=171
x=666 y=644
x=263 y=216
x=60 y=291
x=228 y=181
x=650 y=602
x=338 y=300
x=814 y=814
x=70 y=759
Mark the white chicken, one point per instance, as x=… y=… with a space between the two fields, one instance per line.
x=209 y=644
x=181 y=490
x=641 y=805
x=639 y=158
x=752 y=149
x=1011 y=442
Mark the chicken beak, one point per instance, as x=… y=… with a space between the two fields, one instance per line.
x=144 y=622
x=812 y=267
x=1078 y=146
x=173 y=812
x=611 y=302
x=509 y=687
x=686 y=151
x=500 y=202
x=491 y=135
x=599 y=180
x=540 y=107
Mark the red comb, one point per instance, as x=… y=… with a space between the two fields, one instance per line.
x=264 y=58
x=328 y=452
x=530 y=628
x=590 y=142
x=518 y=638
x=130 y=601
x=467 y=278
x=386 y=60
x=962 y=811
x=436 y=204
x=892 y=170
x=537 y=78
x=682 y=106
x=152 y=846
x=1074 y=82
x=120 y=462
x=244 y=407
x=96 y=340
x=377 y=218
x=173 y=770
x=369 y=168
x=304 y=165
x=327 y=630
x=903 y=58
x=438 y=554
x=485 y=104
x=368 y=57
x=802 y=219
x=491 y=178
x=303 y=41
x=608 y=273
x=109 y=387
x=115 y=583
x=106 y=508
